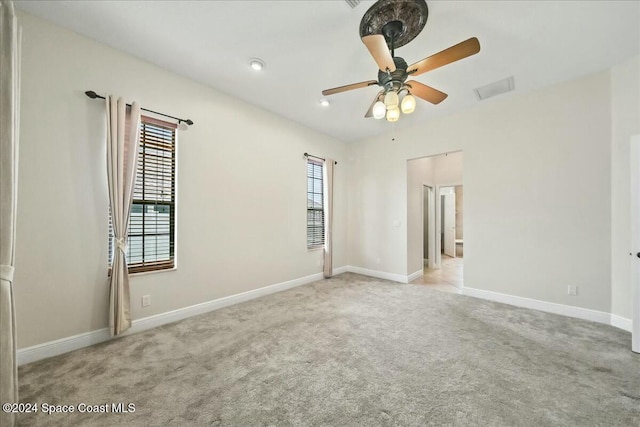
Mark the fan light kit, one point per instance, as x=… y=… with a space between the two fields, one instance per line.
x=390 y=24
x=324 y=102
x=257 y=64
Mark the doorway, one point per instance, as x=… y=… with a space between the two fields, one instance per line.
x=451 y=221
x=448 y=221
x=434 y=221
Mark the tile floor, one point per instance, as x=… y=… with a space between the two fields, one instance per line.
x=448 y=278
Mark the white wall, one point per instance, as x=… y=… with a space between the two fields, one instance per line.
x=625 y=121
x=241 y=215
x=436 y=171
x=534 y=168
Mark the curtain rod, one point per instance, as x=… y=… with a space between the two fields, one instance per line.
x=91 y=94
x=316 y=157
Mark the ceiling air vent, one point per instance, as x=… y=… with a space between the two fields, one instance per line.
x=352 y=3
x=495 y=88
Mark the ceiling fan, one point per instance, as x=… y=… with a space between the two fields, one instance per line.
x=390 y=24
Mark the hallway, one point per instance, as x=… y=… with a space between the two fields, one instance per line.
x=448 y=278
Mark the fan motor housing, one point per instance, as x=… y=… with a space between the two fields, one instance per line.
x=396 y=78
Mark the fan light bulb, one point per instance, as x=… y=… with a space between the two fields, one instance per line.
x=379 y=110
x=391 y=99
x=393 y=114
x=408 y=104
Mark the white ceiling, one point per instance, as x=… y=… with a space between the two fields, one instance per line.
x=309 y=46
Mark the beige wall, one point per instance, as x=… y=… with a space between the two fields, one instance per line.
x=241 y=220
x=625 y=121
x=532 y=165
x=448 y=169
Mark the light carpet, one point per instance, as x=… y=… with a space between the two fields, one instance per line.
x=351 y=351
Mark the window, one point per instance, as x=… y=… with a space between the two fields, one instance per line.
x=315 y=205
x=151 y=238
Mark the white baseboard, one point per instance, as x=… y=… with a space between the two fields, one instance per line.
x=61 y=346
x=384 y=275
x=414 y=276
x=340 y=270
x=550 y=307
x=379 y=274
x=621 y=322
x=65 y=345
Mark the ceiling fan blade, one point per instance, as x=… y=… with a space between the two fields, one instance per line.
x=454 y=53
x=376 y=99
x=378 y=48
x=349 y=87
x=425 y=92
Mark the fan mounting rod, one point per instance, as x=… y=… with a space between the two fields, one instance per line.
x=391 y=30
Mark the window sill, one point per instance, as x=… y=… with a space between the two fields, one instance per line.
x=144 y=273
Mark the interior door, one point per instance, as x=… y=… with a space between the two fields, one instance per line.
x=449 y=224
x=635 y=241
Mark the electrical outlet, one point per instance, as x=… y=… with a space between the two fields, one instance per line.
x=572 y=290
x=146 y=300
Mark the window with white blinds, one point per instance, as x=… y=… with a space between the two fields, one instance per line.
x=151 y=232
x=315 y=205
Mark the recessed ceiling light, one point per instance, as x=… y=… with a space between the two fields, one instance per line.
x=257 y=64
x=324 y=102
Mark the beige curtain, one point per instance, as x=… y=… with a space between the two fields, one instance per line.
x=123 y=139
x=9 y=127
x=328 y=217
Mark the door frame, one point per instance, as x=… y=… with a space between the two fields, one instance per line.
x=438 y=246
x=431 y=255
x=449 y=222
x=634 y=264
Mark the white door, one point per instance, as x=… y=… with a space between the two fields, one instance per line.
x=449 y=224
x=635 y=241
